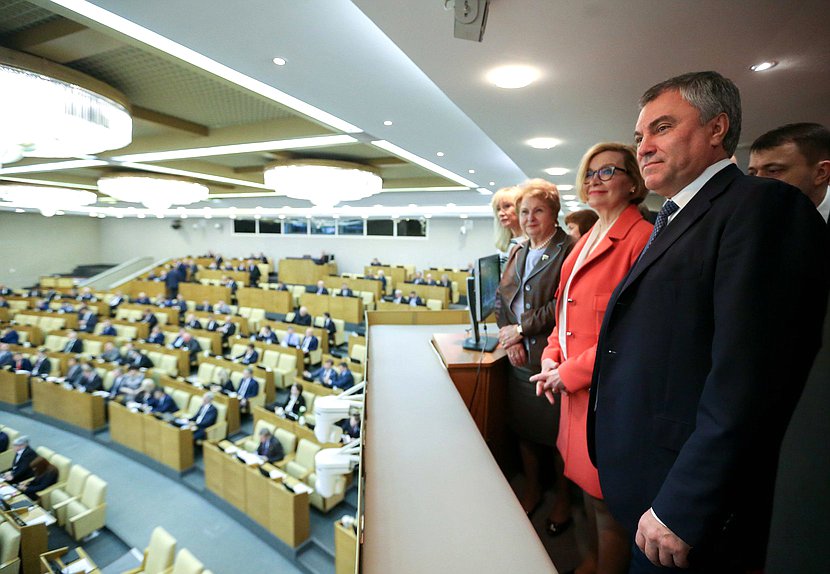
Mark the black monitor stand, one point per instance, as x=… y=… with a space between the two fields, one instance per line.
x=476 y=342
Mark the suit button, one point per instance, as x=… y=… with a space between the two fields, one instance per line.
x=527 y=305
x=527 y=287
x=569 y=333
x=570 y=300
x=612 y=352
x=533 y=341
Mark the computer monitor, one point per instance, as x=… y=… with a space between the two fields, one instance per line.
x=481 y=296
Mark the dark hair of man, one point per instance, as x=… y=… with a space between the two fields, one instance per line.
x=710 y=94
x=811 y=139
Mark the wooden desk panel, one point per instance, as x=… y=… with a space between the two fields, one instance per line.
x=199 y=293
x=231 y=403
x=156 y=439
x=270 y=300
x=152 y=288
x=428 y=292
x=256 y=495
x=76 y=408
x=345 y=549
x=171 y=313
x=125 y=427
x=176 y=445
x=396 y=275
x=350 y=309
x=373 y=286
x=241 y=277
x=304 y=271
x=318 y=332
x=214 y=459
x=14 y=388
x=34 y=540
x=288 y=513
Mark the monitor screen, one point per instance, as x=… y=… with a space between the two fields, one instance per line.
x=488 y=274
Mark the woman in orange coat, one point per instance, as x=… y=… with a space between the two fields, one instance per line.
x=609 y=181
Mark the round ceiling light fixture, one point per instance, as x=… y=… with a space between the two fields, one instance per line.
x=156 y=192
x=557 y=170
x=513 y=77
x=323 y=183
x=48 y=200
x=543 y=143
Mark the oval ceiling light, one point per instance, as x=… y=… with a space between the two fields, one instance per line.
x=324 y=183
x=279 y=61
x=764 y=66
x=543 y=143
x=440 y=154
x=156 y=192
x=565 y=187
x=513 y=77
x=387 y=123
x=48 y=200
x=557 y=170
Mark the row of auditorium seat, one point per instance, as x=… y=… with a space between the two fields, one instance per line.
x=159 y=558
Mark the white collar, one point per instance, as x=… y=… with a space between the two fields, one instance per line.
x=824 y=206
x=685 y=195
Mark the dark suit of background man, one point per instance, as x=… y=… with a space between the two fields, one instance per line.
x=21 y=466
x=706 y=344
x=269 y=446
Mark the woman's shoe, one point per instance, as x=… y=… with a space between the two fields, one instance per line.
x=557 y=528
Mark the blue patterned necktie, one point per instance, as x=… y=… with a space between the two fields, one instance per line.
x=662 y=219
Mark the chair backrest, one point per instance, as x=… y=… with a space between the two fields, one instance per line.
x=76 y=479
x=12 y=434
x=287 y=439
x=261 y=424
x=271 y=358
x=181 y=398
x=358 y=353
x=92 y=347
x=9 y=542
x=186 y=563
x=95 y=492
x=193 y=405
x=205 y=372
x=306 y=451
x=45 y=452
x=287 y=362
x=160 y=551
x=309 y=401
x=62 y=464
x=109 y=379
x=170 y=364
x=221 y=412
x=434 y=304
x=236 y=376
x=238 y=349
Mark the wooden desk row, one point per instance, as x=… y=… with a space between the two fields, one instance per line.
x=159 y=440
x=259 y=372
x=397 y=275
x=231 y=403
x=14 y=387
x=34 y=539
x=80 y=409
x=371 y=285
x=268 y=502
x=304 y=271
x=271 y=301
x=350 y=309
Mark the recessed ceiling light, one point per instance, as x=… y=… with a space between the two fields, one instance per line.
x=427 y=216
x=471 y=171
x=764 y=66
x=279 y=61
x=257 y=216
x=18 y=210
x=281 y=216
x=463 y=216
x=140 y=216
x=513 y=77
x=450 y=205
x=557 y=170
x=377 y=205
x=184 y=216
x=484 y=191
x=412 y=205
x=59 y=212
x=117 y=215
x=568 y=197
x=440 y=154
x=543 y=143
x=565 y=187
x=387 y=123
x=492 y=183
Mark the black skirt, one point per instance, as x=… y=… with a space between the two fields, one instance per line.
x=532 y=418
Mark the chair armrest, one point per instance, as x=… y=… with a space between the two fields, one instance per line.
x=88 y=521
x=63 y=503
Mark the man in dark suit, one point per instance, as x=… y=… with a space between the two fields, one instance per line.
x=90 y=380
x=4 y=441
x=414 y=299
x=116 y=300
x=397 y=297
x=253 y=273
x=87 y=320
x=269 y=447
x=21 y=363
x=24 y=455
x=108 y=330
x=204 y=306
x=228 y=329
x=171 y=283
x=192 y=322
x=344 y=379
x=110 y=353
x=309 y=342
x=135 y=359
x=6 y=356
x=156 y=337
x=150 y=318
x=798 y=154
x=302 y=318
x=73 y=371
x=320 y=289
x=249 y=357
x=329 y=326
x=266 y=335
x=248 y=388
x=73 y=343
x=346 y=291
x=10 y=336
x=162 y=402
x=205 y=417
x=281 y=287
x=43 y=366
x=688 y=404
x=324 y=375
x=211 y=324
x=142 y=299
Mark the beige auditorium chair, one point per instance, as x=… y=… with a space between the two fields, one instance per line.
x=286 y=369
x=302 y=466
x=186 y=563
x=74 y=487
x=45 y=452
x=434 y=304
x=7 y=456
x=159 y=554
x=358 y=353
x=63 y=465
x=9 y=549
x=89 y=513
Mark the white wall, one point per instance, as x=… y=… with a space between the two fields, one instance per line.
x=121 y=239
x=32 y=245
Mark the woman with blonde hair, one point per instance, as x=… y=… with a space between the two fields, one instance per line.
x=609 y=181
x=525 y=313
x=508 y=230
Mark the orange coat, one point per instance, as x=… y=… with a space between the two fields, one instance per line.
x=588 y=297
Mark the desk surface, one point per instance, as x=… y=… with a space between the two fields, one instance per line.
x=432 y=504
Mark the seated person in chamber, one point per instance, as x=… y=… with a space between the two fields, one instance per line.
x=66 y=307
x=192 y=346
x=351 y=427
x=73 y=371
x=73 y=343
x=303 y=317
x=280 y=286
x=429 y=280
x=156 y=337
x=292 y=339
x=418 y=279
x=90 y=380
x=144 y=396
x=228 y=329
x=269 y=447
x=204 y=306
x=294 y=405
x=248 y=388
x=137 y=359
x=162 y=402
x=414 y=299
x=21 y=466
x=375 y=262
x=142 y=299
x=325 y=375
x=309 y=342
x=42 y=305
x=346 y=291
x=10 y=336
x=204 y=418
x=3 y=303
x=266 y=335
x=191 y=322
x=249 y=357
x=20 y=363
x=43 y=365
x=445 y=281
x=329 y=326
x=211 y=324
x=6 y=356
x=108 y=330
x=110 y=353
x=44 y=475
x=222 y=308
x=397 y=297
x=230 y=284
x=149 y=318
x=4 y=291
x=86 y=295
x=344 y=379
x=116 y=300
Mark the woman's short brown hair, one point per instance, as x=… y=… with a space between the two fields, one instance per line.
x=584 y=219
x=629 y=162
x=540 y=189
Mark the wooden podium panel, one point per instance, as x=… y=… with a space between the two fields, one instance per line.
x=304 y=271
x=213 y=459
x=345 y=549
x=176 y=445
x=350 y=309
x=270 y=300
x=154 y=438
x=14 y=387
x=233 y=475
x=125 y=427
x=256 y=492
x=74 y=407
x=289 y=518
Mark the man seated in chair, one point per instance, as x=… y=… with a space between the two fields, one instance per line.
x=162 y=402
x=320 y=289
x=280 y=287
x=108 y=330
x=205 y=417
x=309 y=342
x=269 y=447
x=266 y=335
x=43 y=366
x=87 y=319
x=351 y=427
x=126 y=385
x=156 y=337
x=396 y=298
x=142 y=299
x=222 y=308
x=303 y=318
x=204 y=306
x=346 y=291
x=227 y=330
x=344 y=379
x=249 y=357
x=414 y=300
x=21 y=466
x=116 y=300
x=6 y=356
x=136 y=359
x=211 y=324
x=325 y=375
x=73 y=371
x=73 y=343
x=329 y=326
x=90 y=380
x=248 y=388
x=191 y=322
x=445 y=281
x=110 y=353
x=10 y=336
x=150 y=318
x=292 y=339
x=294 y=405
x=20 y=363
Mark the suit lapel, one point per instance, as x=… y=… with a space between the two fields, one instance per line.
x=687 y=217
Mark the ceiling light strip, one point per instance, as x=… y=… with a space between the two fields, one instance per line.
x=50 y=183
x=402 y=153
x=175 y=49
x=193 y=174
x=274 y=145
x=52 y=166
